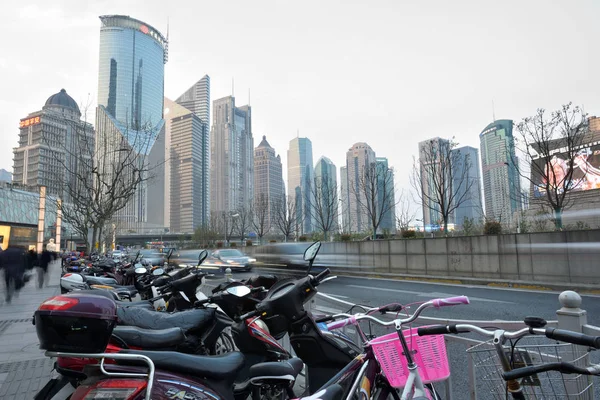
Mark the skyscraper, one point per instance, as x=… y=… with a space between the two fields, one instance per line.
x=268 y=177
x=326 y=178
x=232 y=157
x=386 y=195
x=359 y=157
x=499 y=165
x=50 y=148
x=345 y=199
x=300 y=180
x=130 y=108
x=187 y=207
x=5 y=176
x=431 y=184
x=466 y=185
x=197 y=99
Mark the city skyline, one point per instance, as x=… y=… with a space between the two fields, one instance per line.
x=478 y=82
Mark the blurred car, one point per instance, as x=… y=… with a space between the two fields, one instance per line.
x=231 y=258
x=284 y=254
x=152 y=257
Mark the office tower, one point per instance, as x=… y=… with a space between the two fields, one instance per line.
x=300 y=181
x=187 y=207
x=197 y=99
x=345 y=199
x=431 y=185
x=326 y=179
x=130 y=109
x=386 y=196
x=5 y=176
x=268 y=178
x=466 y=185
x=359 y=157
x=50 y=148
x=499 y=165
x=232 y=157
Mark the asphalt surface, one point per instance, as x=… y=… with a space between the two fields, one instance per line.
x=487 y=304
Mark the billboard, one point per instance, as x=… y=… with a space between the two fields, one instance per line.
x=586 y=171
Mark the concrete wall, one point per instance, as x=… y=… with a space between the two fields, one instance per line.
x=555 y=257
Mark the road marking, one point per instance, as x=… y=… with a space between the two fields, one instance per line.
x=430 y=295
x=328 y=310
x=338 y=296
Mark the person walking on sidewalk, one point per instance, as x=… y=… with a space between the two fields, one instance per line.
x=45 y=260
x=12 y=261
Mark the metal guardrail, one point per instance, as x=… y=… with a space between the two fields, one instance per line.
x=570 y=317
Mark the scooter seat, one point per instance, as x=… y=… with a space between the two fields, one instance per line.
x=148 y=338
x=287 y=370
x=99 y=280
x=222 y=367
x=188 y=320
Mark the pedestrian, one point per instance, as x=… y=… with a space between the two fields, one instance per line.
x=52 y=248
x=45 y=259
x=12 y=261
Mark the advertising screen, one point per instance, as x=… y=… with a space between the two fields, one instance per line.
x=586 y=171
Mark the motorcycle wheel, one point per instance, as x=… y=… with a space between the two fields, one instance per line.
x=223 y=345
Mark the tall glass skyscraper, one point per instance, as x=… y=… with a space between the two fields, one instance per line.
x=499 y=164
x=130 y=107
x=467 y=185
x=325 y=171
x=358 y=158
x=386 y=195
x=300 y=180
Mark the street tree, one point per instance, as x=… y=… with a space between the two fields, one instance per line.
x=404 y=214
x=227 y=224
x=324 y=205
x=554 y=144
x=100 y=174
x=261 y=216
x=243 y=222
x=440 y=177
x=374 y=194
x=284 y=216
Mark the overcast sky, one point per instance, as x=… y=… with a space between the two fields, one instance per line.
x=389 y=73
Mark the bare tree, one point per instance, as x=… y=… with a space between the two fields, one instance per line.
x=100 y=177
x=227 y=222
x=206 y=234
x=559 y=161
x=441 y=178
x=243 y=222
x=284 y=216
x=404 y=215
x=261 y=221
x=324 y=205
x=374 y=194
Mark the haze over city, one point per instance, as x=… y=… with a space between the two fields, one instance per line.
x=386 y=73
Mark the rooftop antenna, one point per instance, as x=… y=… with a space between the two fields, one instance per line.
x=297 y=133
x=232 y=88
x=493 y=111
x=248 y=96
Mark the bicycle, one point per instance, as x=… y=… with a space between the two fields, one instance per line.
x=408 y=367
x=505 y=369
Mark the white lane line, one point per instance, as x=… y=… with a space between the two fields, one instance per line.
x=430 y=295
x=338 y=296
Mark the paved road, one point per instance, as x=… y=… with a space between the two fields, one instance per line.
x=486 y=304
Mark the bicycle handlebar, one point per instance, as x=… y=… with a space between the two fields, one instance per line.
x=573 y=337
x=353 y=319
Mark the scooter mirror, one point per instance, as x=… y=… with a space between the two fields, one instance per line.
x=158 y=272
x=202 y=256
x=239 y=291
x=140 y=270
x=311 y=252
x=200 y=295
x=329 y=278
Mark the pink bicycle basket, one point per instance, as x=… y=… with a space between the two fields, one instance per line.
x=428 y=352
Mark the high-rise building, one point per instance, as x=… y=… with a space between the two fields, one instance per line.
x=499 y=165
x=359 y=157
x=466 y=185
x=386 y=196
x=52 y=144
x=268 y=177
x=232 y=157
x=326 y=179
x=5 y=176
x=345 y=199
x=300 y=180
x=130 y=109
x=197 y=99
x=430 y=184
x=187 y=207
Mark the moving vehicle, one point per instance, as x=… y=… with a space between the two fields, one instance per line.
x=232 y=258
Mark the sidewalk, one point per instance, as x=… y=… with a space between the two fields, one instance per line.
x=23 y=368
